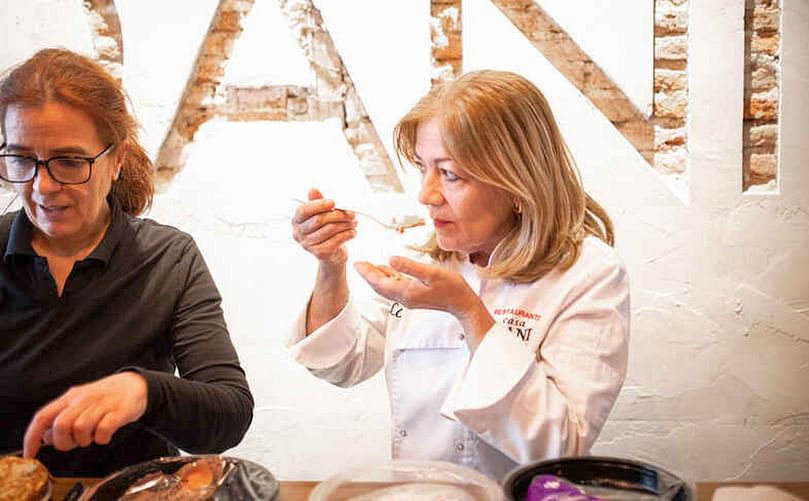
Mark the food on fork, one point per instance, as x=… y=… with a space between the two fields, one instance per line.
x=23 y=479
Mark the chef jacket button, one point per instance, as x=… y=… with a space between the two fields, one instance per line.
x=459 y=446
x=461 y=337
x=403 y=433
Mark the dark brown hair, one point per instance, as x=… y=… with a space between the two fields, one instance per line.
x=64 y=77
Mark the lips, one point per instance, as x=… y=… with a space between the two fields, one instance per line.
x=52 y=209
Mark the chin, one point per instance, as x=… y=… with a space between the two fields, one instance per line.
x=448 y=245
x=55 y=231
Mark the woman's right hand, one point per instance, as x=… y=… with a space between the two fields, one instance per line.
x=323 y=230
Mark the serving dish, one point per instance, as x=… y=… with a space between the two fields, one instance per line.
x=188 y=478
x=410 y=480
x=608 y=478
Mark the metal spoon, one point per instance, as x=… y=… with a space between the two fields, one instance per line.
x=405 y=223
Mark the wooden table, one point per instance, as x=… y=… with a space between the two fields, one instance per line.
x=705 y=490
x=299 y=490
x=290 y=490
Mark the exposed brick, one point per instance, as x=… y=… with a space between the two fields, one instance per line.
x=766 y=18
x=452 y=50
x=229 y=21
x=243 y=98
x=674 y=64
x=763 y=79
x=669 y=139
x=756 y=135
x=612 y=104
x=671 y=22
x=765 y=165
x=761 y=108
x=200 y=92
x=669 y=80
x=767 y=43
x=673 y=161
x=218 y=43
x=210 y=68
x=241 y=6
x=671 y=47
x=671 y=105
x=762 y=71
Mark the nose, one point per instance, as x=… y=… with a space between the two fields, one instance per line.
x=43 y=182
x=430 y=190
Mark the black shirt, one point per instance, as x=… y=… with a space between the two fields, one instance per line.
x=143 y=300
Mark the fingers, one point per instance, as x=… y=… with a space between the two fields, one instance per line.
x=62 y=428
x=420 y=271
x=84 y=426
x=88 y=413
x=323 y=230
x=39 y=425
x=108 y=425
x=314 y=194
x=384 y=280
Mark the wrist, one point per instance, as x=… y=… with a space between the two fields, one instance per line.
x=476 y=321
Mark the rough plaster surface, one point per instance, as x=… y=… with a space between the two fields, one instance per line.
x=719 y=360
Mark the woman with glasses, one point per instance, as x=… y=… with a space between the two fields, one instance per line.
x=99 y=308
x=506 y=341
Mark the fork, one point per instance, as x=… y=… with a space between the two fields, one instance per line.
x=405 y=223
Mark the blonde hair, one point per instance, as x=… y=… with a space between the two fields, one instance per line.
x=62 y=76
x=499 y=128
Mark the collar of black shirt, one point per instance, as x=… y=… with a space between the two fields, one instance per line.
x=19 y=235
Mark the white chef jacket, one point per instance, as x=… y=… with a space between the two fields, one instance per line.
x=540 y=385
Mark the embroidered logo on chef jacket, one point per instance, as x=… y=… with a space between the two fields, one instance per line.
x=518 y=321
x=396 y=309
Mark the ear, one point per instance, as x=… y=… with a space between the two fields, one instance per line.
x=118 y=160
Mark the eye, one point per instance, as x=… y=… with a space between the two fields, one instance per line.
x=448 y=175
x=68 y=162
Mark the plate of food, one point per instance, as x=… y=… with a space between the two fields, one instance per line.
x=24 y=479
x=188 y=478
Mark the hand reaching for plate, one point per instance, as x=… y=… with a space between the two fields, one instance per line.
x=87 y=413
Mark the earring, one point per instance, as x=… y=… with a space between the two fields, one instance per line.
x=518 y=208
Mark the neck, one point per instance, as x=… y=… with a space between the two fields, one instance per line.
x=480 y=259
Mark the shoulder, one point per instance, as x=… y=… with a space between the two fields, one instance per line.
x=597 y=262
x=149 y=230
x=5 y=225
x=153 y=239
x=596 y=254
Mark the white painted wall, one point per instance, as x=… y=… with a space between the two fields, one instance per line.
x=719 y=361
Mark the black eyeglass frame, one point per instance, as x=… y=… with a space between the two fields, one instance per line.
x=37 y=162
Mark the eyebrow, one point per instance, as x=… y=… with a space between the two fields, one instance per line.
x=437 y=161
x=66 y=150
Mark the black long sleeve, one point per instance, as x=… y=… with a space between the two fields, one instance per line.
x=143 y=300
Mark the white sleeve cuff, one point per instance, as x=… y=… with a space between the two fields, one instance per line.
x=328 y=344
x=496 y=368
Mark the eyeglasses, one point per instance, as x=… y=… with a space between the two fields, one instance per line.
x=62 y=169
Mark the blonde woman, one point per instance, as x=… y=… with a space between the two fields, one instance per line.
x=508 y=342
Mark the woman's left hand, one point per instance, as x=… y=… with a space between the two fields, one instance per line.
x=88 y=413
x=420 y=285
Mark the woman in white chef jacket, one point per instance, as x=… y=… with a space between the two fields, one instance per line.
x=507 y=342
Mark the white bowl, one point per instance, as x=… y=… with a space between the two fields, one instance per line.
x=411 y=480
